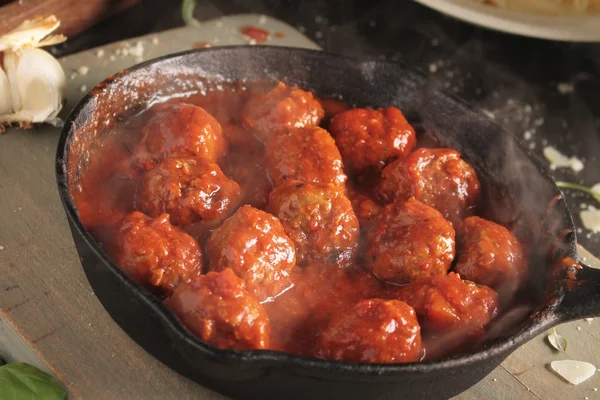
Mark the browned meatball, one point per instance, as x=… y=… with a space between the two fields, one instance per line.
x=254 y=244
x=156 y=254
x=409 y=240
x=179 y=130
x=370 y=138
x=280 y=109
x=374 y=331
x=190 y=190
x=491 y=255
x=307 y=155
x=437 y=177
x=319 y=219
x=217 y=308
x=448 y=303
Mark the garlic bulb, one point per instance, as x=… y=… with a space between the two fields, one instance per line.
x=31 y=80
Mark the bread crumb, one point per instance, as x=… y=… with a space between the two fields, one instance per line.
x=433 y=68
x=83 y=70
x=100 y=53
x=83 y=88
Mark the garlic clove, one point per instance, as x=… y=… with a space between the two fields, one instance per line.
x=32 y=33
x=41 y=81
x=5 y=94
x=10 y=66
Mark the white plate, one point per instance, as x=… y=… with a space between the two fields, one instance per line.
x=584 y=28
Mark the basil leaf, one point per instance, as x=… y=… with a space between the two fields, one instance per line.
x=22 y=381
x=557 y=341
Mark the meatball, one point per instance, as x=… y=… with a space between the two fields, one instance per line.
x=280 y=109
x=190 y=190
x=448 y=303
x=307 y=155
x=217 y=308
x=320 y=221
x=489 y=254
x=254 y=245
x=370 y=138
x=408 y=240
x=374 y=331
x=156 y=254
x=179 y=130
x=437 y=177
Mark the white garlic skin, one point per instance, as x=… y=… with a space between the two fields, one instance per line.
x=37 y=82
x=32 y=81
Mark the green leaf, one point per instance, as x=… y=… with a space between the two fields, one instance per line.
x=187 y=13
x=20 y=381
x=557 y=341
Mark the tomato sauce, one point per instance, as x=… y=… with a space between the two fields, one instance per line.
x=300 y=246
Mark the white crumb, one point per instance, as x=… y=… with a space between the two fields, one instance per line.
x=155 y=40
x=262 y=20
x=137 y=50
x=528 y=135
x=112 y=58
x=1 y=247
x=83 y=70
x=590 y=218
x=559 y=160
x=83 y=88
x=252 y=42
x=564 y=88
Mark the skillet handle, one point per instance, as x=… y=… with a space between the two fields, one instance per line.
x=582 y=301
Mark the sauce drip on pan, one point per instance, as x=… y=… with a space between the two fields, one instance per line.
x=267 y=218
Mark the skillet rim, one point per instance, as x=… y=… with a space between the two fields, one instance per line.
x=543 y=319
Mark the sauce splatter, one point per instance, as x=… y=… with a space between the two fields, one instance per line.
x=279 y=35
x=202 y=45
x=259 y=35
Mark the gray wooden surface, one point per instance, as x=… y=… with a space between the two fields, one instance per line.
x=50 y=317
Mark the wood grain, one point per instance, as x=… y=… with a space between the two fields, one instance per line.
x=75 y=15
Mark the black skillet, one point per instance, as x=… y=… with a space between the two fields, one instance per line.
x=516 y=189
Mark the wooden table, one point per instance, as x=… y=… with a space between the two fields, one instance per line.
x=50 y=317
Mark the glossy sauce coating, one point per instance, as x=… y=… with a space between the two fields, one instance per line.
x=307 y=155
x=254 y=245
x=180 y=130
x=333 y=229
x=155 y=253
x=217 y=308
x=446 y=303
x=489 y=254
x=410 y=240
x=319 y=219
x=370 y=138
x=375 y=331
x=189 y=190
x=280 y=109
x=437 y=177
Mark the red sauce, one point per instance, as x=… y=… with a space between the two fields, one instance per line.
x=202 y=45
x=279 y=35
x=296 y=260
x=253 y=33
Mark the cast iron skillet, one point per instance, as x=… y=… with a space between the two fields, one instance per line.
x=515 y=187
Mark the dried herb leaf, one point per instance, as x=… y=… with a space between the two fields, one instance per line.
x=557 y=341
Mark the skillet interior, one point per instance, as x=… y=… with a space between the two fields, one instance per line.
x=515 y=187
